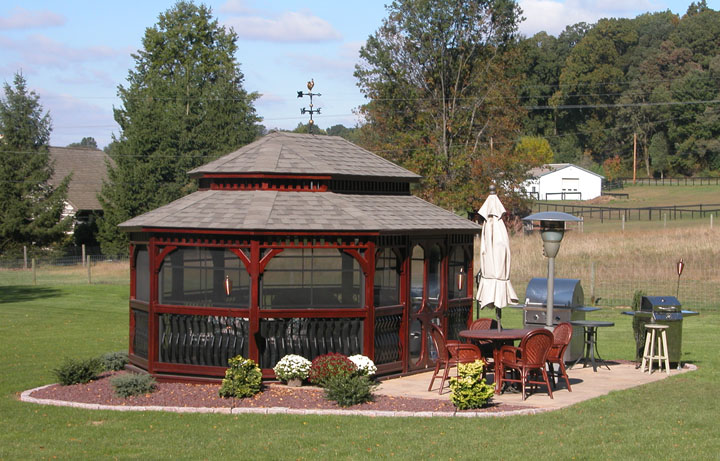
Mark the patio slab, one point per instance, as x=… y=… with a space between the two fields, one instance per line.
x=585 y=383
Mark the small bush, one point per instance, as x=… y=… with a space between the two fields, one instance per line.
x=131 y=384
x=470 y=390
x=74 y=371
x=329 y=366
x=292 y=367
x=242 y=379
x=349 y=390
x=115 y=361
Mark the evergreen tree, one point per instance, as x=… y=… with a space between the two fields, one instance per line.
x=30 y=209
x=184 y=105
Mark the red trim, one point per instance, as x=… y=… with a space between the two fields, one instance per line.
x=161 y=257
x=152 y=324
x=318 y=234
x=262 y=263
x=240 y=254
x=264 y=186
x=139 y=361
x=313 y=313
x=187 y=369
x=254 y=323
x=240 y=312
x=260 y=176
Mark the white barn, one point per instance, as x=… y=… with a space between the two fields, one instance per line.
x=563 y=181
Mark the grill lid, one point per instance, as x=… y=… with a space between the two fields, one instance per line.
x=566 y=292
x=660 y=304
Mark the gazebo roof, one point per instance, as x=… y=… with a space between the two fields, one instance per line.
x=305 y=154
x=259 y=207
x=301 y=211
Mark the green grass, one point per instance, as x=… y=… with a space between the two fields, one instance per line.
x=39 y=326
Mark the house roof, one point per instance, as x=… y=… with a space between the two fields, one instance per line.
x=553 y=167
x=301 y=211
x=88 y=172
x=305 y=154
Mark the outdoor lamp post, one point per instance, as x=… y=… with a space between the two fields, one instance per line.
x=552 y=230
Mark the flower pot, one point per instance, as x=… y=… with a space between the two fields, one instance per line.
x=295 y=382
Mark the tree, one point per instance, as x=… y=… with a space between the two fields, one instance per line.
x=533 y=151
x=88 y=142
x=184 y=105
x=441 y=98
x=30 y=209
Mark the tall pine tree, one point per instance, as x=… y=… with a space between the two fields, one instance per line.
x=30 y=209
x=184 y=105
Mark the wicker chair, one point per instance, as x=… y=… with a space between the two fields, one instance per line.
x=485 y=345
x=562 y=336
x=451 y=353
x=527 y=358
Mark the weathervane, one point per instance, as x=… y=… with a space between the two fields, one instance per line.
x=310 y=111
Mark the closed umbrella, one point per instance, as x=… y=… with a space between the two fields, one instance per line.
x=495 y=289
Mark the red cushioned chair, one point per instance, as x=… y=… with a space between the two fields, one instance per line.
x=525 y=359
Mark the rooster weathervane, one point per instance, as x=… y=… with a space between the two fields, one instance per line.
x=310 y=111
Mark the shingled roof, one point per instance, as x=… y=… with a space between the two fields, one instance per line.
x=303 y=154
x=300 y=210
x=88 y=172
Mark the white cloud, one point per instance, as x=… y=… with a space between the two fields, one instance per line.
x=552 y=16
x=290 y=26
x=236 y=7
x=40 y=50
x=20 y=18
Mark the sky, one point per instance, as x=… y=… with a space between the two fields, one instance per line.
x=74 y=54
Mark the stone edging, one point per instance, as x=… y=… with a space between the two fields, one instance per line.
x=26 y=397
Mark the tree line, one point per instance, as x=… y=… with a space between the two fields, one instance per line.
x=453 y=91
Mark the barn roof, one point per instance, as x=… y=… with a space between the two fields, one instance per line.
x=88 y=170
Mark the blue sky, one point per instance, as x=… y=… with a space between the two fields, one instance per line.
x=74 y=54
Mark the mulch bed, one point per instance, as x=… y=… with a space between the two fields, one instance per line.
x=274 y=395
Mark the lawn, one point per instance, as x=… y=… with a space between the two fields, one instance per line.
x=40 y=325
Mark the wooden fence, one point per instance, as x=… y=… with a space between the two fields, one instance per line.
x=639 y=214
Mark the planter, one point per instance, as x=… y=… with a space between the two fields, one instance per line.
x=295 y=382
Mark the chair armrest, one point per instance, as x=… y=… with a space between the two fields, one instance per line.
x=509 y=353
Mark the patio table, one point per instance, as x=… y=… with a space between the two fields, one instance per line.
x=498 y=338
x=591 y=351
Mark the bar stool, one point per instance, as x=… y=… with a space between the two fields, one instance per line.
x=651 y=338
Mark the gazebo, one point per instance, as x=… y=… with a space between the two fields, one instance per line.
x=296 y=244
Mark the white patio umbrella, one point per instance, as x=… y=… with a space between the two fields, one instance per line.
x=495 y=289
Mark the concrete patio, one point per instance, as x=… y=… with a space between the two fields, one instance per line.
x=585 y=383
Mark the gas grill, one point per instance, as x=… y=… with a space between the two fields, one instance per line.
x=663 y=310
x=568 y=300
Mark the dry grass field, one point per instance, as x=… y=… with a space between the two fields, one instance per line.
x=612 y=265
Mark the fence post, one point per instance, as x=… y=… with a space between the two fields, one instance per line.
x=592 y=282
x=711 y=219
x=34 y=271
x=664 y=219
x=24 y=257
x=83 y=254
x=88 y=270
x=623 y=223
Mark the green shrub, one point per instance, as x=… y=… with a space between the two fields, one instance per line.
x=74 y=371
x=242 y=379
x=325 y=367
x=637 y=299
x=130 y=384
x=348 y=390
x=470 y=390
x=115 y=361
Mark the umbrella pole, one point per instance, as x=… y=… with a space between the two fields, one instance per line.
x=498 y=315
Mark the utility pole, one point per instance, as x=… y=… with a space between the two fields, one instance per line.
x=634 y=157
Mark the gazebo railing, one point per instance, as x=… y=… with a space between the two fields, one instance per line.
x=308 y=337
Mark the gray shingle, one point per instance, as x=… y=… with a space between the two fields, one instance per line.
x=293 y=153
x=300 y=211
